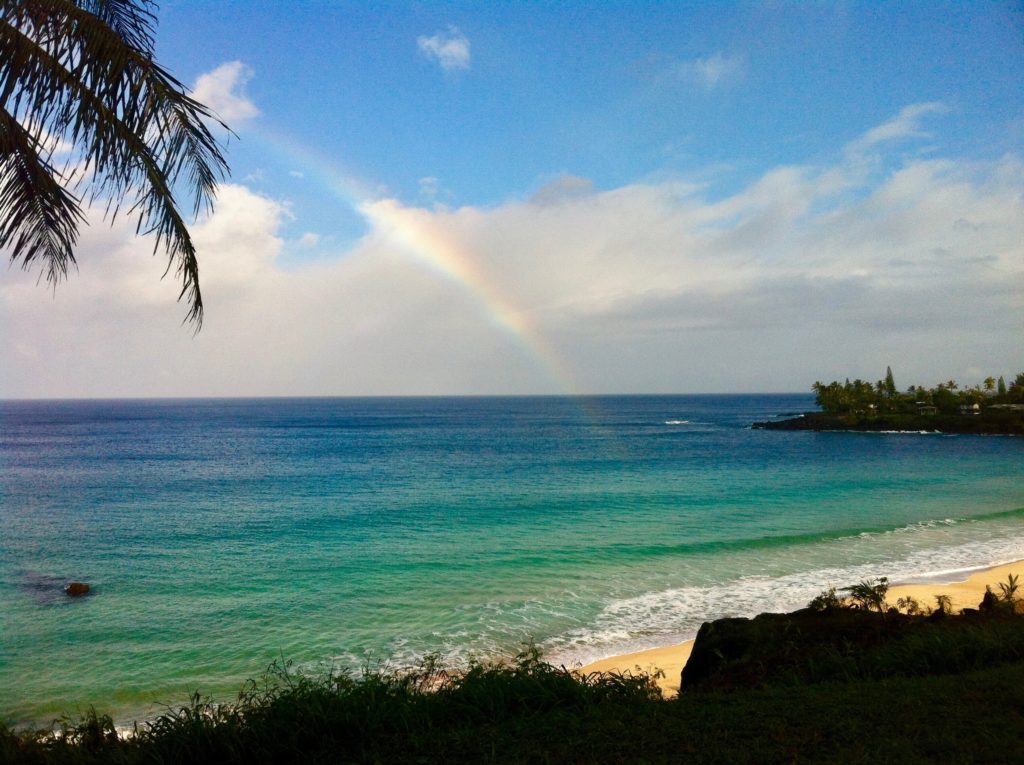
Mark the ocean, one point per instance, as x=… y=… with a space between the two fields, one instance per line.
x=221 y=535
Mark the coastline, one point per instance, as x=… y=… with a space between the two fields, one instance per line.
x=988 y=422
x=669 y=660
x=965 y=590
x=964 y=587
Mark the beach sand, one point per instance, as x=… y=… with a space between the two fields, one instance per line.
x=669 y=660
x=967 y=592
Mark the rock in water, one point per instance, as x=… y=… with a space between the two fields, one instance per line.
x=76 y=589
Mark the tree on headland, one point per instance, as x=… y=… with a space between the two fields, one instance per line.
x=890 y=383
x=80 y=76
x=862 y=398
x=1015 y=392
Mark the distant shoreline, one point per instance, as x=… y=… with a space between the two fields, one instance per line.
x=1006 y=423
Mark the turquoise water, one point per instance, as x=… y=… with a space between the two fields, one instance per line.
x=220 y=535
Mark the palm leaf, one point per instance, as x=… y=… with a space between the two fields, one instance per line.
x=132 y=20
x=41 y=216
x=85 y=73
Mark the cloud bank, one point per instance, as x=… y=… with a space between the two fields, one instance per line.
x=809 y=272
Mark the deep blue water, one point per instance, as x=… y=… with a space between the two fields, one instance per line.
x=220 y=535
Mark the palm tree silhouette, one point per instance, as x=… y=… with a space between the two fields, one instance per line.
x=80 y=74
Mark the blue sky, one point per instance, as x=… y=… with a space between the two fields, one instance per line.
x=614 y=92
x=570 y=197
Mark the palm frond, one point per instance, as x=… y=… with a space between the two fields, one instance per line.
x=84 y=72
x=41 y=217
x=133 y=20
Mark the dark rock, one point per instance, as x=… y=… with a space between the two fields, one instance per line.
x=717 y=643
x=989 y=421
x=743 y=653
x=840 y=644
x=76 y=589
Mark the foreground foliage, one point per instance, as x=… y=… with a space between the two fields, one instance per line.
x=529 y=711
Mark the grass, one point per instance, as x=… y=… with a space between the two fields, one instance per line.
x=530 y=712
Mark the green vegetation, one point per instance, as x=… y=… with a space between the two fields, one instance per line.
x=536 y=715
x=861 y=397
x=1009 y=589
x=815 y=686
x=868 y=595
x=987 y=408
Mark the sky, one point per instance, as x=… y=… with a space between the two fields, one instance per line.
x=543 y=198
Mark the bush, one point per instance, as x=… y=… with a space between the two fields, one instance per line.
x=909 y=606
x=1009 y=589
x=827 y=600
x=869 y=595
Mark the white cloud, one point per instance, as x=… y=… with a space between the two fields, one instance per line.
x=223 y=91
x=809 y=272
x=296 y=174
x=906 y=124
x=714 y=71
x=309 y=240
x=450 y=49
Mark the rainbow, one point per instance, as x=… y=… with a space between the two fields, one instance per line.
x=411 y=231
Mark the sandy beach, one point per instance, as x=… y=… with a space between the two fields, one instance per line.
x=965 y=590
x=963 y=593
x=668 y=660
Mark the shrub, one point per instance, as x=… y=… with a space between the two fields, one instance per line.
x=869 y=595
x=909 y=606
x=1009 y=589
x=827 y=600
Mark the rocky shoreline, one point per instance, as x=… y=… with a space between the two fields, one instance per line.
x=988 y=422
